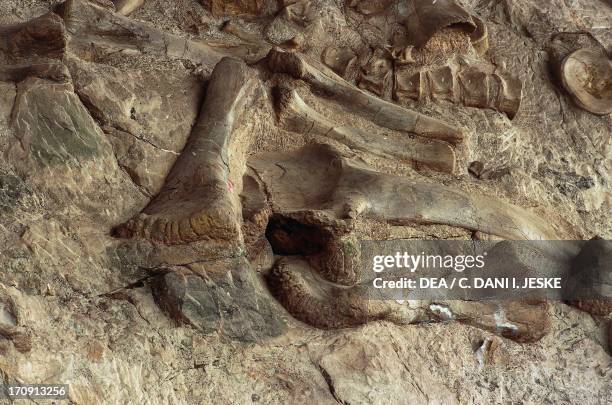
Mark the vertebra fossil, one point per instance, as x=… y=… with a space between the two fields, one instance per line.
x=587 y=76
x=469 y=86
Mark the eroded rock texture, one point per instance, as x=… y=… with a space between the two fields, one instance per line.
x=185 y=189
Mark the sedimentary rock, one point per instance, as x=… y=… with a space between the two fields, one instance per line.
x=297 y=116
x=147 y=116
x=587 y=76
x=53 y=126
x=94 y=118
x=230 y=302
x=197 y=201
x=381 y=112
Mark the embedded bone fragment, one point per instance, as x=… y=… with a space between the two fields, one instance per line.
x=380 y=112
x=90 y=24
x=425 y=18
x=297 y=116
x=377 y=75
x=520 y=321
x=327 y=305
x=347 y=189
x=125 y=7
x=408 y=84
x=587 y=76
x=196 y=202
x=34 y=48
x=474 y=89
x=480 y=37
x=299 y=12
x=420 y=18
x=340 y=60
x=248 y=8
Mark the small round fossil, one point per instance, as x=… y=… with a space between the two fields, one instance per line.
x=587 y=76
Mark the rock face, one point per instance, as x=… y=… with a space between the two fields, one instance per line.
x=185 y=192
x=230 y=304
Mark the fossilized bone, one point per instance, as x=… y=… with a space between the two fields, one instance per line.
x=378 y=111
x=322 y=304
x=196 y=202
x=299 y=117
x=421 y=19
x=247 y=8
x=341 y=60
x=298 y=11
x=326 y=305
x=92 y=25
x=125 y=7
x=470 y=86
x=319 y=178
x=34 y=48
x=480 y=36
x=587 y=76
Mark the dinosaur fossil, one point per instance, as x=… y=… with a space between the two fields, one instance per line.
x=199 y=180
x=587 y=76
x=380 y=112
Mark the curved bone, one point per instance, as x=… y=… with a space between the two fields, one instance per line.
x=326 y=305
x=348 y=190
x=299 y=117
x=380 y=112
x=587 y=76
x=196 y=202
x=90 y=24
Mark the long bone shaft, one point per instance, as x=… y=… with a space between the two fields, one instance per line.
x=378 y=111
x=196 y=202
x=297 y=116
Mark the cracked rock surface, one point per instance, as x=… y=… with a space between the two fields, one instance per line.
x=184 y=186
